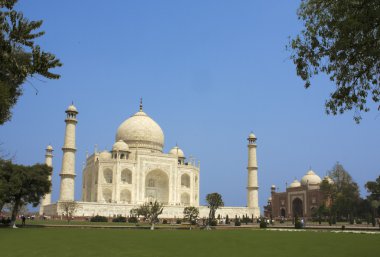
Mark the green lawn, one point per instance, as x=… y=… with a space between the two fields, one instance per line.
x=77 y=242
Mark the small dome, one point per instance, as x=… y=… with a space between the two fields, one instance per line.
x=270 y=199
x=49 y=147
x=177 y=151
x=120 y=146
x=141 y=132
x=329 y=180
x=105 y=155
x=310 y=178
x=72 y=108
x=295 y=183
x=252 y=136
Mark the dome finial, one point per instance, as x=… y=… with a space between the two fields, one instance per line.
x=141 y=104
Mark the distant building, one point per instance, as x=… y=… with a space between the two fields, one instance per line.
x=300 y=199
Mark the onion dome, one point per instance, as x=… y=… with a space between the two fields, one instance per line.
x=120 y=146
x=329 y=180
x=49 y=147
x=141 y=132
x=105 y=155
x=72 y=108
x=177 y=151
x=310 y=178
x=294 y=184
x=252 y=136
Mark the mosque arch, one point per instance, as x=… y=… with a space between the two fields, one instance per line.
x=125 y=196
x=107 y=174
x=297 y=207
x=185 y=180
x=283 y=213
x=126 y=176
x=107 y=195
x=157 y=186
x=185 y=199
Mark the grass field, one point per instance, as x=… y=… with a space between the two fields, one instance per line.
x=58 y=242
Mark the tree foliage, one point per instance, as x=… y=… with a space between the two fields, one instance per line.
x=373 y=187
x=191 y=213
x=150 y=211
x=21 y=185
x=20 y=56
x=342 y=196
x=341 y=39
x=214 y=201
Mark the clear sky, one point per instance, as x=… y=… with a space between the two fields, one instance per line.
x=209 y=72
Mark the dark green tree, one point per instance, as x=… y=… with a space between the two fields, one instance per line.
x=21 y=185
x=191 y=213
x=20 y=57
x=342 y=197
x=214 y=201
x=373 y=187
x=341 y=38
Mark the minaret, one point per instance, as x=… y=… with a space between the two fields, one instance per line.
x=252 y=188
x=46 y=200
x=68 y=160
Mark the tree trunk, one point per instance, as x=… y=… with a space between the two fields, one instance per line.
x=152 y=226
x=15 y=210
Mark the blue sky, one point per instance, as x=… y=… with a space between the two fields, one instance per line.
x=209 y=72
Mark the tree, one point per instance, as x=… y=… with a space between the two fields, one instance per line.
x=342 y=40
x=373 y=187
x=151 y=211
x=21 y=185
x=214 y=201
x=68 y=208
x=191 y=213
x=342 y=197
x=20 y=57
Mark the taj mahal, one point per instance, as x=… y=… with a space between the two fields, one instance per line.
x=135 y=171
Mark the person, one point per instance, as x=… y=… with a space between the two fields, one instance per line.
x=23 y=220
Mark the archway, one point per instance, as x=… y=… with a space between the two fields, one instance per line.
x=126 y=176
x=297 y=208
x=125 y=196
x=107 y=173
x=283 y=212
x=185 y=199
x=107 y=195
x=157 y=187
x=185 y=180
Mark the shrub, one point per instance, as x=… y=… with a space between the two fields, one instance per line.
x=297 y=223
x=193 y=222
x=358 y=221
x=178 y=221
x=213 y=223
x=227 y=220
x=132 y=219
x=98 y=218
x=237 y=222
x=263 y=223
x=119 y=219
x=164 y=222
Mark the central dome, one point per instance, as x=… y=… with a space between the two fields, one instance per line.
x=141 y=132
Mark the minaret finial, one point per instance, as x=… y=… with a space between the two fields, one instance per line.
x=141 y=104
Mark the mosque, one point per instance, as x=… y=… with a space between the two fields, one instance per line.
x=135 y=171
x=301 y=198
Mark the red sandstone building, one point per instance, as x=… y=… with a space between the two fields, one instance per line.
x=300 y=198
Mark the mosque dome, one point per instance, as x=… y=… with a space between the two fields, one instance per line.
x=141 y=132
x=120 y=146
x=310 y=178
x=72 y=108
x=177 y=151
x=252 y=136
x=295 y=183
x=329 y=180
x=49 y=147
x=105 y=155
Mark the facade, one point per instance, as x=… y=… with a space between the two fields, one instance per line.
x=136 y=170
x=300 y=198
